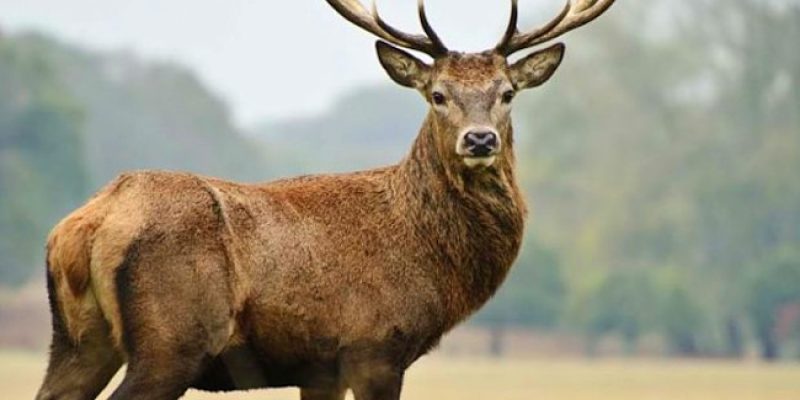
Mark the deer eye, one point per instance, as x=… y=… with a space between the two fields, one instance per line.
x=508 y=96
x=438 y=98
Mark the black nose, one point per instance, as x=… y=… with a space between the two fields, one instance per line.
x=480 y=144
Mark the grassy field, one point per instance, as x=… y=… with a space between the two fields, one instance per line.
x=465 y=379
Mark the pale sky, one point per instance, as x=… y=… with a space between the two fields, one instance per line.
x=266 y=58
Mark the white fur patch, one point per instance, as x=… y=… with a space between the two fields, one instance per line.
x=474 y=162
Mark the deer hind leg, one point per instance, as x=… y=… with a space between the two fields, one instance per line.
x=160 y=377
x=176 y=318
x=78 y=371
x=167 y=354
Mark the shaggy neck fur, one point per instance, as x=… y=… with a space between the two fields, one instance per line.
x=469 y=222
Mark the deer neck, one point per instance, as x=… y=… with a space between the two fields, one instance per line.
x=469 y=223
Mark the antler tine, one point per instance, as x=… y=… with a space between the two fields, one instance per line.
x=430 y=44
x=514 y=41
x=426 y=26
x=513 y=27
x=355 y=12
x=571 y=17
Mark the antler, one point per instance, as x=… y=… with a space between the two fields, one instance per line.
x=576 y=13
x=355 y=12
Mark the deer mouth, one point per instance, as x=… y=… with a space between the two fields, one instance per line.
x=480 y=162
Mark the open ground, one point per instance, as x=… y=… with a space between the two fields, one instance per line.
x=442 y=378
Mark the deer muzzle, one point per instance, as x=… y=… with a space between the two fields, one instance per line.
x=479 y=147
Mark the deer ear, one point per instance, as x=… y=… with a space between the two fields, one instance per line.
x=537 y=68
x=402 y=67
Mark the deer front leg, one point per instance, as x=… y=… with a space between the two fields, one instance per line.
x=322 y=394
x=376 y=382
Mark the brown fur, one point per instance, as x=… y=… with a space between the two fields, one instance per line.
x=471 y=68
x=324 y=282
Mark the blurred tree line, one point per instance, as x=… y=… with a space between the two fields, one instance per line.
x=42 y=167
x=664 y=162
x=661 y=162
x=71 y=120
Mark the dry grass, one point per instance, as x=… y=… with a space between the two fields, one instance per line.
x=464 y=379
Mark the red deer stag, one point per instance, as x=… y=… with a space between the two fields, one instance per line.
x=327 y=283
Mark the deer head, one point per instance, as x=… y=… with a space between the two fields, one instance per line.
x=470 y=95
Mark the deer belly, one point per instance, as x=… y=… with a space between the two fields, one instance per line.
x=245 y=367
